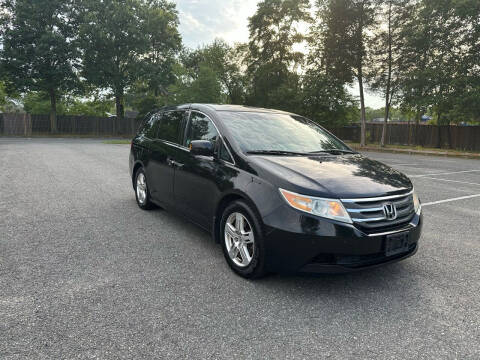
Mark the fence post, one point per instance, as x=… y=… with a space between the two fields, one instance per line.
x=74 y=124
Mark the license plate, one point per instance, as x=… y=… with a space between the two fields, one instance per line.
x=396 y=244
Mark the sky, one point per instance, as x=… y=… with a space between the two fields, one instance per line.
x=201 y=21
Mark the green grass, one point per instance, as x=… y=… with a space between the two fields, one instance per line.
x=117 y=142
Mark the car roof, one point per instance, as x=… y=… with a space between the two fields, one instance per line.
x=222 y=107
x=237 y=108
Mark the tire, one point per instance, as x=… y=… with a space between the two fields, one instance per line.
x=142 y=195
x=242 y=240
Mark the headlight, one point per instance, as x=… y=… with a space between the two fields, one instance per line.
x=416 y=203
x=328 y=208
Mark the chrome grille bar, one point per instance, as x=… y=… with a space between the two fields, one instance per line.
x=368 y=213
x=376 y=198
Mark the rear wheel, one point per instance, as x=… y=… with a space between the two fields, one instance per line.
x=242 y=240
x=142 y=193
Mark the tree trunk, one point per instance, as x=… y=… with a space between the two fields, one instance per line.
x=385 y=122
x=53 y=112
x=119 y=110
x=389 y=78
x=363 y=125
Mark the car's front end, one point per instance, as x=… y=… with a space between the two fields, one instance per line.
x=335 y=213
x=367 y=236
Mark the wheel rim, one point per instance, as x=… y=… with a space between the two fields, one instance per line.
x=239 y=239
x=141 y=188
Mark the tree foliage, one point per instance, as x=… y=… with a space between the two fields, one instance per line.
x=272 y=55
x=344 y=37
x=112 y=42
x=39 y=48
x=387 y=65
x=164 y=41
x=422 y=56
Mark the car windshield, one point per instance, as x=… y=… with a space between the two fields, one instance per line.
x=279 y=133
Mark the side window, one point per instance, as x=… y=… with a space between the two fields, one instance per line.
x=151 y=127
x=147 y=127
x=169 y=128
x=224 y=154
x=200 y=127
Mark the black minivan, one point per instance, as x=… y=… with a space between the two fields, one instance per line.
x=276 y=190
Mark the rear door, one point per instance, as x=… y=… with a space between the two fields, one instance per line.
x=164 y=151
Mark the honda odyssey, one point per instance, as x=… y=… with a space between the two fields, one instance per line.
x=276 y=190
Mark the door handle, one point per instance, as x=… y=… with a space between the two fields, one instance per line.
x=177 y=164
x=173 y=163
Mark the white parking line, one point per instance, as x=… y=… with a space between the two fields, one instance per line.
x=445 y=173
x=455 y=181
x=453 y=199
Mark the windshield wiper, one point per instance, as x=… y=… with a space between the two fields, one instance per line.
x=274 y=152
x=333 y=151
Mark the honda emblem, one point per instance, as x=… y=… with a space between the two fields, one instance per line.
x=390 y=211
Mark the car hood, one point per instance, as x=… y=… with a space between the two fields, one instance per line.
x=342 y=176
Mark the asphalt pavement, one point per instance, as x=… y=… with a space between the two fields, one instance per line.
x=84 y=273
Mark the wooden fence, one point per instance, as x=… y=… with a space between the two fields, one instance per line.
x=28 y=125
x=465 y=138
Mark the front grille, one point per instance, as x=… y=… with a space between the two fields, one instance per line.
x=368 y=213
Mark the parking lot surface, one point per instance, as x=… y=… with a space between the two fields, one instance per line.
x=84 y=273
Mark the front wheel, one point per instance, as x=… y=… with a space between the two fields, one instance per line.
x=142 y=193
x=242 y=240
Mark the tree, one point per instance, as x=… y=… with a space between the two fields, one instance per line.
x=202 y=86
x=38 y=103
x=126 y=40
x=39 y=48
x=164 y=41
x=273 y=60
x=324 y=94
x=225 y=61
x=112 y=42
x=346 y=27
x=441 y=74
x=387 y=62
x=3 y=94
x=326 y=100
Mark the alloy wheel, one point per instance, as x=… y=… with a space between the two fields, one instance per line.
x=239 y=239
x=141 y=188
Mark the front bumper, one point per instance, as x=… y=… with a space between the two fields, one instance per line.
x=299 y=242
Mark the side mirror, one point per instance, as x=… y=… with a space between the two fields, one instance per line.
x=201 y=147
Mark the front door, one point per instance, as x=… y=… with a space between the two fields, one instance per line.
x=196 y=180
